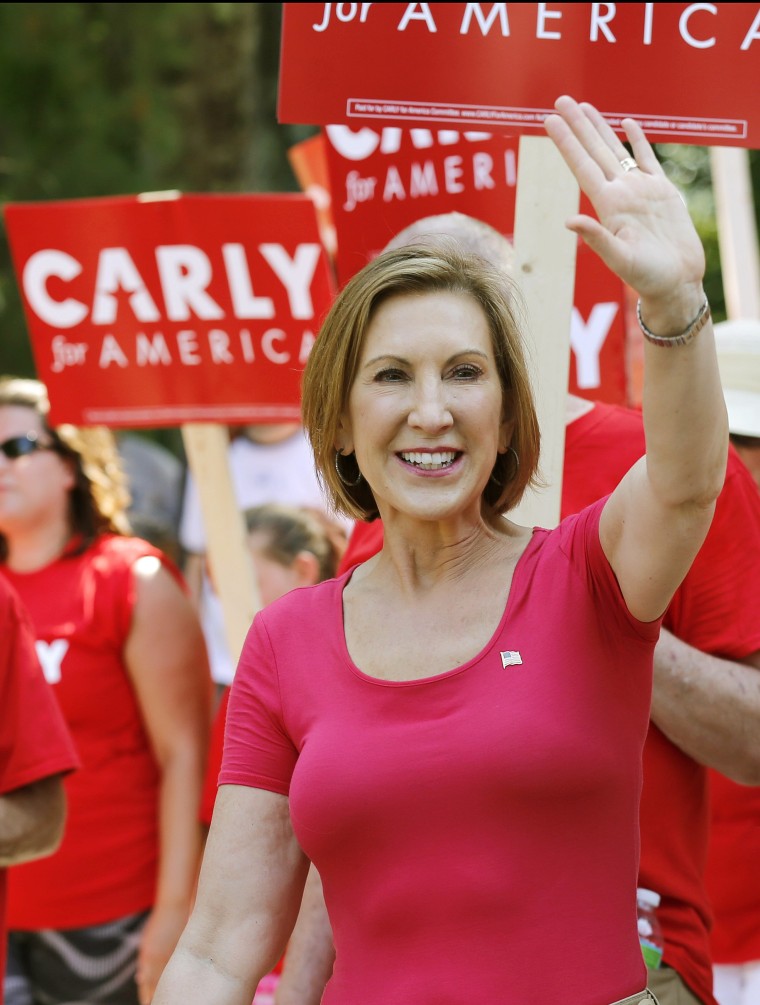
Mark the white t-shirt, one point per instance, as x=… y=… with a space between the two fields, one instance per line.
x=281 y=472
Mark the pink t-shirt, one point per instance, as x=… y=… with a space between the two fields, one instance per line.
x=716 y=610
x=481 y=820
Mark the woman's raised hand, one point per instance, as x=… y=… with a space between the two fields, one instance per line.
x=644 y=232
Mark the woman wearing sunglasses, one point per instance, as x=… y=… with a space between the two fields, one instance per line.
x=120 y=643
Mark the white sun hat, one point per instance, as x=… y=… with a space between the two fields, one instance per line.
x=738 y=345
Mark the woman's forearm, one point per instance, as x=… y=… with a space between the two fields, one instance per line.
x=198 y=977
x=180 y=840
x=179 y=856
x=684 y=410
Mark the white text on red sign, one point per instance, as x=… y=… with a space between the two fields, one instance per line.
x=696 y=27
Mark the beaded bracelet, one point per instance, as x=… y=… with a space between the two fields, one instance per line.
x=686 y=336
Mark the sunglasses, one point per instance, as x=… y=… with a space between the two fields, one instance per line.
x=20 y=446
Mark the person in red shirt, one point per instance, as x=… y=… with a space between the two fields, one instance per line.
x=453 y=731
x=706 y=700
x=733 y=869
x=715 y=608
x=36 y=750
x=121 y=646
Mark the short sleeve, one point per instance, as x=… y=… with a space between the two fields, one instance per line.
x=258 y=751
x=34 y=740
x=579 y=536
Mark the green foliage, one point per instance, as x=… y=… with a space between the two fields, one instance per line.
x=688 y=167
x=118 y=98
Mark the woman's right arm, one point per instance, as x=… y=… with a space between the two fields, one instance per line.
x=655 y=521
x=249 y=892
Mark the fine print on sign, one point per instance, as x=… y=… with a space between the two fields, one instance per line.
x=687 y=72
x=169 y=311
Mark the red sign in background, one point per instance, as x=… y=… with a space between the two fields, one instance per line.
x=161 y=312
x=382 y=180
x=688 y=72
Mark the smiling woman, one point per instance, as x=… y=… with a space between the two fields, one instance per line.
x=453 y=734
x=409 y=304
x=426 y=414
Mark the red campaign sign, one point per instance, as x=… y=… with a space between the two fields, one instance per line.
x=309 y=164
x=598 y=333
x=382 y=181
x=161 y=311
x=688 y=72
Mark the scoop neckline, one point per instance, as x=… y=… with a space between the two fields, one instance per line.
x=445 y=674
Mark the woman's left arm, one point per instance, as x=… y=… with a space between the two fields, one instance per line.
x=657 y=518
x=166 y=657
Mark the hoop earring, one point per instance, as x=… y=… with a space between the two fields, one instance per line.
x=349 y=484
x=493 y=477
x=517 y=462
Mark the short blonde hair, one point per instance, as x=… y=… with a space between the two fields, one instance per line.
x=99 y=498
x=435 y=265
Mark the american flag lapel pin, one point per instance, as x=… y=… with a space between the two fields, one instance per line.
x=511 y=658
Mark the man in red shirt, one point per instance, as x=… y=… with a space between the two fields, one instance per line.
x=35 y=752
x=733 y=878
x=706 y=696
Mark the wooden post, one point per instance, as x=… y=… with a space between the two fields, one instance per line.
x=545 y=252
x=206 y=446
x=737 y=231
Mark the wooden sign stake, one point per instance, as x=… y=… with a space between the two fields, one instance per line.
x=206 y=446
x=737 y=231
x=545 y=250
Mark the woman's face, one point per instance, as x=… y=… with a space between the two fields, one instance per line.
x=425 y=413
x=34 y=488
x=273 y=578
